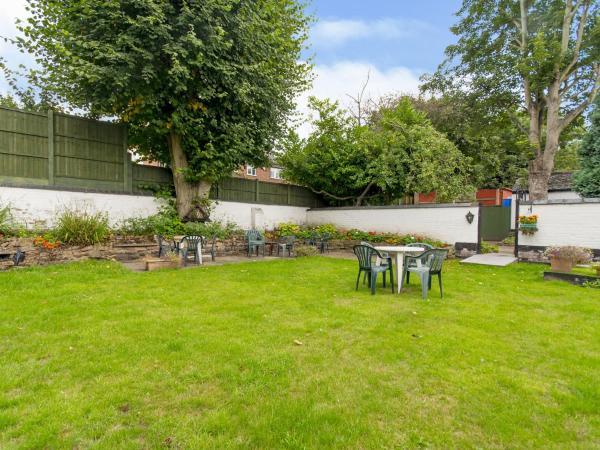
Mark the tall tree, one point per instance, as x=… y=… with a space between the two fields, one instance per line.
x=205 y=85
x=587 y=180
x=396 y=153
x=540 y=55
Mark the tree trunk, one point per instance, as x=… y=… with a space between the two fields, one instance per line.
x=540 y=169
x=539 y=175
x=192 y=198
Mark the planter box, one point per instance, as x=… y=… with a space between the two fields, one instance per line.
x=158 y=264
x=561 y=264
x=528 y=228
x=573 y=278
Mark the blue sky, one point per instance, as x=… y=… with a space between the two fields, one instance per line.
x=392 y=41
x=386 y=33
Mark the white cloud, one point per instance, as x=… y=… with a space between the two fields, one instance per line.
x=348 y=77
x=333 y=33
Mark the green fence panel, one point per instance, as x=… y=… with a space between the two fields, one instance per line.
x=78 y=153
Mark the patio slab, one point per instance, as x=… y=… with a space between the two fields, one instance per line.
x=490 y=259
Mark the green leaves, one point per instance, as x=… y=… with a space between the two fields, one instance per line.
x=587 y=180
x=221 y=73
x=398 y=153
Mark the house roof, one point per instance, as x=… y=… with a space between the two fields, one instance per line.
x=559 y=182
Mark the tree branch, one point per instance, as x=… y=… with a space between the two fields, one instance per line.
x=584 y=104
x=578 y=41
x=362 y=196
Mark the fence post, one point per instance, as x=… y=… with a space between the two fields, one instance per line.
x=257 y=192
x=127 y=167
x=50 y=147
x=289 y=194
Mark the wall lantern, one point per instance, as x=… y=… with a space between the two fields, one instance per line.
x=470 y=216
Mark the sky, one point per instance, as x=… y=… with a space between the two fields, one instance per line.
x=393 y=42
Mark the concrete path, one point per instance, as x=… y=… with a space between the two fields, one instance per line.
x=490 y=259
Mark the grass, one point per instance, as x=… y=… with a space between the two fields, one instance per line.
x=94 y=356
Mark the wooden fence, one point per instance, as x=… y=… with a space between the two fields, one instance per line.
x=61 y=151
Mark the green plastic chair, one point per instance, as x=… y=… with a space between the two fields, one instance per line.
x=366 y=254
x=286 y=243
x=255 y=241
x=431 y=263
x=191 y=245
x=164 y=246
x=411 y=260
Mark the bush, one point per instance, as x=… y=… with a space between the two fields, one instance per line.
x=5 y=221
x=305 y=250
x=77 y=227
x=489 y=248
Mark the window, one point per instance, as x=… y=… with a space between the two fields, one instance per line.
x=251 y=171
x=276 y=173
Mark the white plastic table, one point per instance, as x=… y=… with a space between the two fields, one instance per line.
x=399 y=251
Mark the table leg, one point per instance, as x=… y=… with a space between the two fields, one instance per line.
x=399 y=270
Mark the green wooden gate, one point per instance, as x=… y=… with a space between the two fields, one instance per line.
x=495 y=223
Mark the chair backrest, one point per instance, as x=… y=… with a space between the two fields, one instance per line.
x=254 y=235
x=422 y=245
x=191 y=242
x=365 y=253
x=434 y=259
x=287 y=239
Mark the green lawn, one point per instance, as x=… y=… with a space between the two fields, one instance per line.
x=92 y=355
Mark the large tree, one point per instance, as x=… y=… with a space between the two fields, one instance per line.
x=587 y=180
x=205 y=85
x=396 y=153
x=539 y=55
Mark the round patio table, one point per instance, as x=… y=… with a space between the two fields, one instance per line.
x=399 y=251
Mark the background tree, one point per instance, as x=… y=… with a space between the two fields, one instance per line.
x=587 y=181
x=397 y=153
x=542 y=56
x=205 y=85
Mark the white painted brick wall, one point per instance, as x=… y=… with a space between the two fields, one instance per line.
x=566 y=223
x=31 y=206
x=266 y=216
x=447 y=223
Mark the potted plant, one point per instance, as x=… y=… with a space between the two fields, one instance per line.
x=170 y=260
x=528 y=224
x=562 y=259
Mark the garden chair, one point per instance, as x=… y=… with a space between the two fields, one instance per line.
x=164 y=246
x=384 y=260
x=429 y=264
x=366 y=255
x=286 y=243
x=213 y=246
x=323 y=242
x=191 y=245
x=413 y=260
x=255 y=241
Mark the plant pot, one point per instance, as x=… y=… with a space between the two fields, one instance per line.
x=158 y=264
x=561 y=264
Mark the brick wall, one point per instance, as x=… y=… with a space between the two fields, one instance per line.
x=262 y=174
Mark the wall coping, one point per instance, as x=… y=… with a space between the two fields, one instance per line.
x=573 y=201
x=419 y=206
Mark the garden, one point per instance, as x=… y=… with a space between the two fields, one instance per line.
x=286 y=354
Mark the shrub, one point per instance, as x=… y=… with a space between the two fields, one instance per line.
x=80 y=227
x=577 y=255
x=288 y=229
x=305 y=250
x=486 y=247
x=5 y=220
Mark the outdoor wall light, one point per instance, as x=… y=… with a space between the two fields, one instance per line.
x=470 y=216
